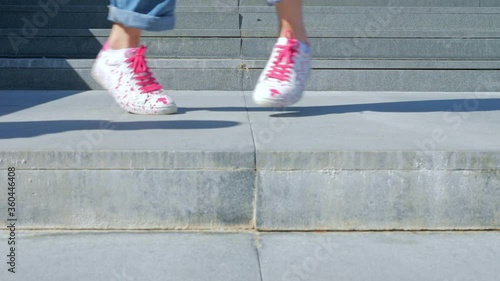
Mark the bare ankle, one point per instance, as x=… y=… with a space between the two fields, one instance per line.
x=122 y=37
x=298 y=33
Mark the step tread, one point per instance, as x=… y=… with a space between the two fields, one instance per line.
x=380 y=256
x=256 y=257
x=380 y=130
x=140 y=256
x=97 y=112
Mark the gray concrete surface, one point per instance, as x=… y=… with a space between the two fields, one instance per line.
x=135 y=199
x=131 y=256
x=386 y=21
x=211 y=3
x=134 y=257
x=215 y=64
x=392 y=122
x=242 y=74
x=87 y=47
x=462 y=35
x=335 y=161
x=383 y=3
x=100 y=171
x=411 y=162
x=92 y=132
x=183 y=4
x=378 y=200
x=384 y=48
x=405 y=80
x=380 y=256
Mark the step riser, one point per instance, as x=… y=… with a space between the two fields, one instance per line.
x=362 y=21
x=80 y=79
x=391 y=48
x=233 y=79
x=322 y=200
x=252 y=48
x=371 y=22
x=184 y=3
x=82 y=47
x=209 y=20
x=378 y=200
x=134 y=200
x=383 y=3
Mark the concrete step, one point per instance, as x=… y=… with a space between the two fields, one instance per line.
x=165 y=256
x=261 y=20
x=184 y=3
x=374 y=22
x=77 y=17
x=226 y=47
x=249 y=32
x=371 y=3
x=242 y=74
x=387 y=3
x=370 y=161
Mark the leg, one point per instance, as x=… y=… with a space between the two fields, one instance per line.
x=291 y=19
x=123 y=37
x=130 y=17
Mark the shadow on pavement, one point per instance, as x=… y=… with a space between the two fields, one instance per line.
x=422 y=106
x=27 y=129
x=452 y=105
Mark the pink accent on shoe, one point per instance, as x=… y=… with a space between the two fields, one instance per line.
x=105 y=47
x=283 y=63
x=163 y=100
x=119 y=82
x=146 y=82
x=274 y=92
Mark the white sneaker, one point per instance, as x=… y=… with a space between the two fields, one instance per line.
x=126 y=76
x=283 y=80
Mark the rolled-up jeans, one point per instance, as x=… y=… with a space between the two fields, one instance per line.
x=150 y=15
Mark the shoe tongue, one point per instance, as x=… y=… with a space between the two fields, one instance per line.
x=130 y=52
x=282 y=41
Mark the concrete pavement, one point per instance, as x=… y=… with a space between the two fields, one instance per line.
x=133 y=256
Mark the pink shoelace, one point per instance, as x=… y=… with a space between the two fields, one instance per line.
x=146 y=81
x=284 y=60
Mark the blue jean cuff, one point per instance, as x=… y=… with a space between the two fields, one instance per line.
x=141 y=21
